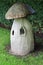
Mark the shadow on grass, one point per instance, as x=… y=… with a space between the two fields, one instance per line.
x=38 y=45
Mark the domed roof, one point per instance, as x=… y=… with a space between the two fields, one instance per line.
x=18 y=10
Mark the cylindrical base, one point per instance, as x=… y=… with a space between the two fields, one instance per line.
x=21 y=37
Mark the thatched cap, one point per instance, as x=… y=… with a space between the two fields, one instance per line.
x=19 y=10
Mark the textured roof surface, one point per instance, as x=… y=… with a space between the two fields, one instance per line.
x=18 y=10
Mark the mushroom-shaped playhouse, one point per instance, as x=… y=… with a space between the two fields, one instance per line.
x=21 y=36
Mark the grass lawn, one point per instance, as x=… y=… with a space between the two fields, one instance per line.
x=8 y=59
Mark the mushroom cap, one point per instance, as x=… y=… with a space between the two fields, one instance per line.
x=18 y=10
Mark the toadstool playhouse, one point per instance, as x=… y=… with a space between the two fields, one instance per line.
x=21 y=36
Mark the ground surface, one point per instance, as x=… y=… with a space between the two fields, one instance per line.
x=34 y=58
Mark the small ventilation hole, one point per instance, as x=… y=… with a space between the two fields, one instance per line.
x=21 y=31
x=13 y=32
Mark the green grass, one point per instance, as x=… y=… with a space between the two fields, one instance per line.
x=8 y=59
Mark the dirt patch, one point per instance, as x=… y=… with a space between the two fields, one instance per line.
x=7 y=47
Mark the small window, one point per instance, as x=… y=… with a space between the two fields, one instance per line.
x=13 y=32
x=21 y=31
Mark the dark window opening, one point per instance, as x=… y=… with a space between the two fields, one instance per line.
x=21 y=31
x=13 y=32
